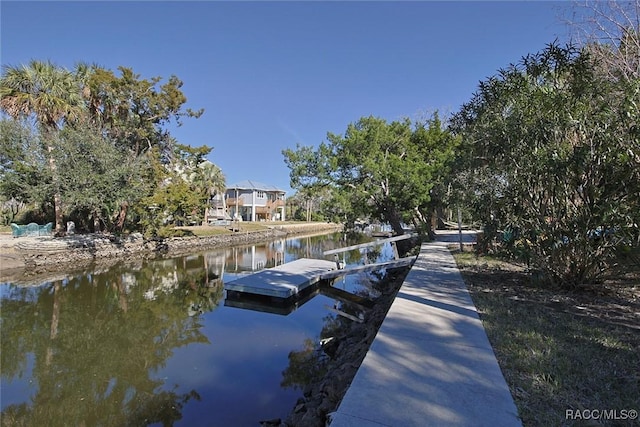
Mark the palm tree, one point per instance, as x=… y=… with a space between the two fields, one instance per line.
x=209 y=179
x=49 y=94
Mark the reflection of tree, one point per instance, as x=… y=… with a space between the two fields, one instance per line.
x=314 y=246
x=309 y=365
x=305 y=366
x=55 y=317
x=96 y=341
x=164 y=407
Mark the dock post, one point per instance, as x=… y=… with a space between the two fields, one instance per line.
x=396 y=256
x=460 y=228
x=337 y=261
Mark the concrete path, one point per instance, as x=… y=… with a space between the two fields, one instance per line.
x=431 y=363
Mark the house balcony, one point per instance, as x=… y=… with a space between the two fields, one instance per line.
x=232 y=201
x=272 y=204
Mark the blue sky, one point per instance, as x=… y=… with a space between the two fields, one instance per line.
x=273 y=74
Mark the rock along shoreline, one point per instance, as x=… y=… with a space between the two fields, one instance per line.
x=34 y=255
x=349 y=346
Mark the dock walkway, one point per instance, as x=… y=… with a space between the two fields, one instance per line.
x=431 y=363
x=283 y=281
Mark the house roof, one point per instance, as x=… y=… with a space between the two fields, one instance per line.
x=254 y=185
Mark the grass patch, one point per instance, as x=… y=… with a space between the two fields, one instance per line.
x=216 y=230
x=245 y=227
x=559 y=350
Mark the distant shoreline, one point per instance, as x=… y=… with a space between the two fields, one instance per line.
x=28 y=257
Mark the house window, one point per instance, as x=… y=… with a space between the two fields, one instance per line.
x=260 y=194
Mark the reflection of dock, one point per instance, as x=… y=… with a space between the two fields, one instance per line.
x=266 y=304
x=284 y=280
x=285 y=306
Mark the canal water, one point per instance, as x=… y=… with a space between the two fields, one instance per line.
x=155 y=342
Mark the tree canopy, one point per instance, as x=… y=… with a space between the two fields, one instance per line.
x=92 y=143
x=549 y=155
x=378 y=170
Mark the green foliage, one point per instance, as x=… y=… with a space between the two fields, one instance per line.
x=172 y=203
x=549 y=156
x=169 y=231
x=378 y=170
x=135 y=111
x=96 y=144
x=207 y=180
x=41 y=91
x=22 y=165
x=47 y=95
x=335 y=208
x=94 y=175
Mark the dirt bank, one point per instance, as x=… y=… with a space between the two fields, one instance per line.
x=34 y=255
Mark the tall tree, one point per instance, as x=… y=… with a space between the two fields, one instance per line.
x=50 y=95
x=21 y=168
x=610 y=30
x=134 y=112
x=96 y=125
x=310 y=175
x=208 y=180
x=95 y=176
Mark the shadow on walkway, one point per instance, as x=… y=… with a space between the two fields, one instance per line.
x=431 y=363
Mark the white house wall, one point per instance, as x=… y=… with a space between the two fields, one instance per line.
x=249 y=200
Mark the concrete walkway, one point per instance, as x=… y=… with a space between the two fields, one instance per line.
x=431 y=363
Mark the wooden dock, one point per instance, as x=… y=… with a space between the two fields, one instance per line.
x=283 y=281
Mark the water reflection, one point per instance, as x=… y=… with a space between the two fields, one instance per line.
x=152 y=342
x=285 y=306
x=90 y=344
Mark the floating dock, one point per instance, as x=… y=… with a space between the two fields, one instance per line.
x=283 y=281
x=288 y=280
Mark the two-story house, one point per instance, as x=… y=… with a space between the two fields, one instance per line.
x=255 y=201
